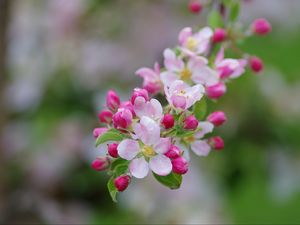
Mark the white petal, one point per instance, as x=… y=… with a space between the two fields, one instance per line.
x=156 y=109
x=150 y=132
x=206 y=127
x=201 y=148
x=139 y=168
x=161 y=165
x=168 y=78
x=128 y=149
x=163 y=145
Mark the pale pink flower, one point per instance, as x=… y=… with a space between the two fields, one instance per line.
x=229 y=68
x=182 y=96
x=151 y=77
x=197 y=43
x=194 y=70
x=149 y=153
x=152 y=108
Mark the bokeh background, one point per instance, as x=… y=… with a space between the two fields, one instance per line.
x=57 y=60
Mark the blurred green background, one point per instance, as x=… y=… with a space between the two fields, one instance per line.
x=57 y=60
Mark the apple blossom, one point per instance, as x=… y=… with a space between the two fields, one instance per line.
x=152 y=82
x=256 y=64
x=180 y=165
x=217 y=118
x=112 y=100
x=152 y=148
x=157 y=133
x=100 y=164
x=216 y=142
x=182 y=96
x=105 y=116
x=122 y=119
x=168 y=121
x=121 y=183
x=112 y=150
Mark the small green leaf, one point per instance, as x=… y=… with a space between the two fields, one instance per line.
x=112 y=189
x=111 y=135
x=172 y=181
x=215 y=19
x=200 y=109
x=234 y=11
x=185 y=134
x=118 y=162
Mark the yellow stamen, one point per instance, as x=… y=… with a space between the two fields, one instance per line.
x=191 y=43
x=148 y=151
x=189 y=139
x=185 y=74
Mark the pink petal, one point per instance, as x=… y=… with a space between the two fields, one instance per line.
x=163 y=145
x=139 y=168
x=171 y=62
x=128 y=149
x=179 y=101
x=201 y=148
x=168 y=78
x=160 y=165
x=184 y=34
x=147 y=74
x=205 y=76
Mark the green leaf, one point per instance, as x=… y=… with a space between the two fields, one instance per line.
x=111 y=135
x=119 y=167
x=200 y=109
x=172 y=181
x=234 y=11
x=112 y=189
x=215 y=19
x=118 y=162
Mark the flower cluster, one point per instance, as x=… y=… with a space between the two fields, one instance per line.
x=144 y=136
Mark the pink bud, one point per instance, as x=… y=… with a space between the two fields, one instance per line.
x=217 y=118
x=99 y=131
x=112 y=150
x=216 y=91
x=100 y=164
x=219 y=35
x=167 y=121
x=139 y=92
x=256 y=64
x=173 y=152
x=195 y=6
x=190 y=123
x=216 y=142
x=152 y=87
x=105 y=116
x=122 y=182
x=112 y=100
x=261 y=26
x=129 y=106
x=122 y=119
x=180 y=165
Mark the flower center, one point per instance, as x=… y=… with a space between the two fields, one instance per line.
x=191 y=43
x=189 y=139
x=148 y=151
x=185 y=74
